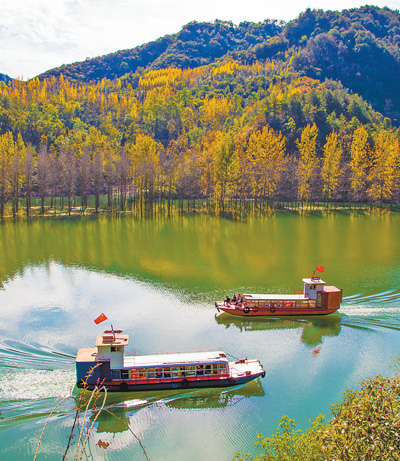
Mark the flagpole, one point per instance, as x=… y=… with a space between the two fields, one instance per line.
x=113 y=332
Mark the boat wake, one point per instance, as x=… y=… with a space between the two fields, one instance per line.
x=377 y=310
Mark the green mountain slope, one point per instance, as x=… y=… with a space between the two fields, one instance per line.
x=357 y=47
x=197 y=44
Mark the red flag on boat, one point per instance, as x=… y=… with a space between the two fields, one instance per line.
x=320 y=268
x=100 y=319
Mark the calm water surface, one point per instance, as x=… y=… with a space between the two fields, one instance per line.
x=157 y=280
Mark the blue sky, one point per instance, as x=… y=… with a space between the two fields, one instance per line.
x=40 y=35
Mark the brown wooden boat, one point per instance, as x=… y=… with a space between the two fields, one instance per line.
x=316 y=298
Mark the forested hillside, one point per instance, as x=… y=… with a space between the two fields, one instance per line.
x=250 y=128
x=358 y=47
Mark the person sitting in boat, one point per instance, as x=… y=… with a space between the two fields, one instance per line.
x=238 y=299
x=227 y=300
x=234 y=298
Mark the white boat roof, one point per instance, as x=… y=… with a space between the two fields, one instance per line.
x=179 y=358
x=285 y=297
x=314 y=281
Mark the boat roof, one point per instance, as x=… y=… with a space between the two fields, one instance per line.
x=178 y=358
x=314 y=281
x=286 y=297
x=112 y=340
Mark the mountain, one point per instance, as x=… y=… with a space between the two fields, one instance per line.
x=197 y=44
x=358 y=47
x=5 y=78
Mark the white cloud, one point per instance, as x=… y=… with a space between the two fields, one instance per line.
x=37 y=36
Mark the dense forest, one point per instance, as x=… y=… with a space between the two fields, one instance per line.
x=256 y=115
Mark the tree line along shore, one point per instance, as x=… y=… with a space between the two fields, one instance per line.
x=229 y=172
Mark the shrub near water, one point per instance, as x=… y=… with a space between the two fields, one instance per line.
x=365 y=426
x=366 y=423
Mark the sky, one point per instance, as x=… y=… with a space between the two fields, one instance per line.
x=39 y=35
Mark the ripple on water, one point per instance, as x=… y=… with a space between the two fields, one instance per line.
x=30 y=384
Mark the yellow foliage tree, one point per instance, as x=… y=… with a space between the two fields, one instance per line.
x=7 y=153
x=267 y=151
x=331 y=170
x=358 y=162
x=144 y=155
x=307 y=162
x=384 y=171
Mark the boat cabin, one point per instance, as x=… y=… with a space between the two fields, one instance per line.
x=108 y=362
x=312 y=287
x=325 y=296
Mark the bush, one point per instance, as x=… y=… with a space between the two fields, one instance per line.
x=365 y=426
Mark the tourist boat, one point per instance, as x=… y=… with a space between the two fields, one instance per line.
x=107 y=365
x=316 y=298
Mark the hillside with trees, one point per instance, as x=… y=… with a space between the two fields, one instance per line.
x=357 y=47
x=246 y=129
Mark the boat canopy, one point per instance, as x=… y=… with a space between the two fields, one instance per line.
x=179 y=359
x=267 y=297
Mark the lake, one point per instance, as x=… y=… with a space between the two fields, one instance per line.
x=157 y=279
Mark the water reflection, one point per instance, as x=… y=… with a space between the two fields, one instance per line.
x=120 y=408
x=313 y=328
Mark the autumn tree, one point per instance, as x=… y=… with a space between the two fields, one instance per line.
x=331 y=170
x=207 y=153
x=17 y=173
x=7 y=149
x=43 y=172
x=225 y=169
x=68 y=174
x=243 y=181
x=307 y=162
x=358 y=163
x=384 y=171
x=29 y=168
x=144 y=156
x=267 y=151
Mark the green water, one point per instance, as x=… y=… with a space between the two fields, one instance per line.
x=157 y=279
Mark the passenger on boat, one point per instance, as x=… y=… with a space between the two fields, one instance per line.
x=200 y=370
x=227 y=300
x=234 y=298
x=238 y=299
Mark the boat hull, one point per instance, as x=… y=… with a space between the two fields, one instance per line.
x=274 y=312
x=186 y=383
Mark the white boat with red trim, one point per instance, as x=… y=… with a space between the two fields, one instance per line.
x=107 y=365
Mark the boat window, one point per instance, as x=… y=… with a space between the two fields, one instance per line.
x=134 y=374
x=150 y=373
x=125 y=374
x=116 y=349
x=208 y=369
x=167 y=372
x=116 y=374
x=159 y=372
x=190 y=370
x=200 y=369
x=176 y=372
x=220 y=368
